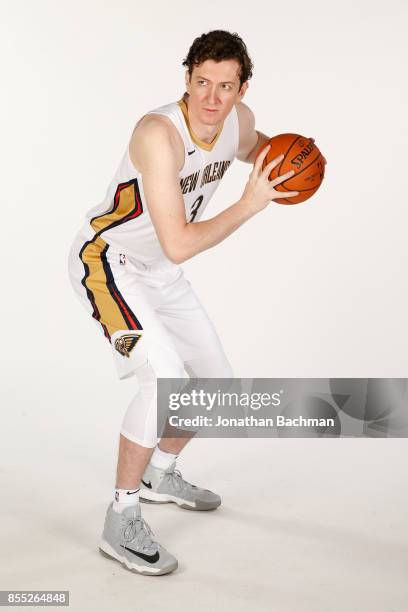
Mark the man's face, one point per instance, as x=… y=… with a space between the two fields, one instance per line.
x=214 y=88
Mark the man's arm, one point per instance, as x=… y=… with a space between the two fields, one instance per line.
x=250 y=139
x=157 y=155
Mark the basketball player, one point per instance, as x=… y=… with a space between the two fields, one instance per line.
x=124 y=265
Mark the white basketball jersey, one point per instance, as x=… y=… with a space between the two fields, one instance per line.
x=122 y=219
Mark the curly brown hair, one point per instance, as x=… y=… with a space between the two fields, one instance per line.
x=220 y=45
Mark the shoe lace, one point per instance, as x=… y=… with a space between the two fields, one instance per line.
x=138 y=531
x=178 y=481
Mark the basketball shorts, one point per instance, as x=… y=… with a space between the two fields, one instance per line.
x=148 y=313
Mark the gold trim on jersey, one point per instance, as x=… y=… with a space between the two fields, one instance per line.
x=208 y=146
x=109 y=306
x=127 y=205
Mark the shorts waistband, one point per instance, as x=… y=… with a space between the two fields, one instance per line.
x=162 y=264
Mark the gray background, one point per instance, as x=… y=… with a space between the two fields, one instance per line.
x=317 y=289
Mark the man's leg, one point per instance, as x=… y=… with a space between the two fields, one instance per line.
x=209 y=365
x=163 y=483
x=132 y=461
x=119 y=303
x=125 y=529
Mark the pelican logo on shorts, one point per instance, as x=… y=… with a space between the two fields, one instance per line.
x=126 y=343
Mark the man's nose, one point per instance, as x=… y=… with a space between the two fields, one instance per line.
x=212 y=96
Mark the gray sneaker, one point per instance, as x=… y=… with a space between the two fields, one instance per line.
x=127 y=538
x=163 y=486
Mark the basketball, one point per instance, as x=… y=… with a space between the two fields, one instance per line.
x=302 y=156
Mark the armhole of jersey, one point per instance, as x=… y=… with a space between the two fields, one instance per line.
x=175 y=118
x=132 y=165
x=128 y=147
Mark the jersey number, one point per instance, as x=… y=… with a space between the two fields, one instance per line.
x=194 y=208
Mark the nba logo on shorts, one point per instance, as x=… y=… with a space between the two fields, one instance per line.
x=122 y=259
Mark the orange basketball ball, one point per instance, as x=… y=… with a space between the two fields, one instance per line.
x=302 y=156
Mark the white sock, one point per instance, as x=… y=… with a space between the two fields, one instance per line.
x=123 y=498
x=162 y=460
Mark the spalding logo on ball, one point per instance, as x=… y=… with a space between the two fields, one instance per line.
x=302 y=156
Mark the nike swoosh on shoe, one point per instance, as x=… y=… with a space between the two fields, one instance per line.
x=148 y=558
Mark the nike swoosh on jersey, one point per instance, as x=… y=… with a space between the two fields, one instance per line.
x=191 y=152
x=148 y=558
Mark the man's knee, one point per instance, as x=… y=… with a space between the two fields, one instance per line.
x=140 y=422
x=212 y=365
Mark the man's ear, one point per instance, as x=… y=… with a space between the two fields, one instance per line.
x=187 y=81
x=243 y=89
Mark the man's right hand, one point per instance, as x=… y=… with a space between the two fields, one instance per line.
x=259 y=190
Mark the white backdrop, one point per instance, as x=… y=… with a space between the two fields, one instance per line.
x=317 y=289
x=314 y=290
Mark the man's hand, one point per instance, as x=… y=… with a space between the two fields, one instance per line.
x=259 y=190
